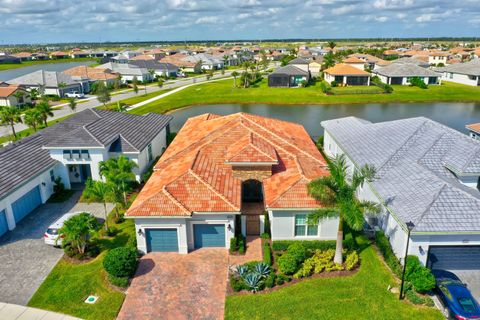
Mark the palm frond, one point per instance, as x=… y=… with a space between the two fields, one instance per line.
x=321 y=213
x=324 y=189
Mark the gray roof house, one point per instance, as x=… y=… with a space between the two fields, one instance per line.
x=465 y=73
x=52 y=82
x=128 y=71
x=72 y=150
x=161 y=68
x=401 y=73
x=412 y=60
x=427 y=173
x=288 y=76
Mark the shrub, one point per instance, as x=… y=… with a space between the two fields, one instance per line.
x=352 y=260
x=386 y=87
x=253 y=281
x=420 y=277
x=265 y=236
x=320 y=261
x=281 y=279
x=241 y=244
x=287 y=264
x=325 y=87
x=320 y=141
x=121 y=262
x=262 y=269
x=267 y=253
x=282 y=245
x=298 y=251
x=121 y=282
x=237 y=284
x=417 y=82
x=266 y=224
x=387 y=252
x=413 y=297
x=334 y=84
x=233 y=245
x=270 y=280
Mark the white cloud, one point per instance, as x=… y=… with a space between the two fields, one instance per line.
x=209 y=20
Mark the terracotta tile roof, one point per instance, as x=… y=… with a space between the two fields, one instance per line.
x=353 y=60
x=58 y=54
x=23 y=55
x=179 y=59
x=143 y=57
x=345 y=69
x=7 y=91
x=91 y=73
x=474 y=127
x=194 y=174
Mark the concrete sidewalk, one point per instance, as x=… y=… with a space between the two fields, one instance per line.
x=15 y=312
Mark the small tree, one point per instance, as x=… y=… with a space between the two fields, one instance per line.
x=119 y=172
x=103 y=94
x=72 y=104
x=121 y=107
x=45 y=110
x=101 y=192
x=135 y=84
x=32 y=118
x=10 y=116
x=160 y=82
x=76 y=231
x=34 y=94
x=235 y=75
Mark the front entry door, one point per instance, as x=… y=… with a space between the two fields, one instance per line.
x=253 y=225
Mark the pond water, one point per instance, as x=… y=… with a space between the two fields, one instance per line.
x=15 y=73
x=454 y=115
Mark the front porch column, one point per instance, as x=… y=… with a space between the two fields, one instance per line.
x=243 y=222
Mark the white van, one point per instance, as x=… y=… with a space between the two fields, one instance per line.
x=51 y=235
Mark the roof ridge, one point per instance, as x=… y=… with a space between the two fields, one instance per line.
x=173 y=199
x=91 y=134
x=280 y=138
x=435 y=198
x=288 y=189
x=258 y=149
x=121 y=136
x=212 y=189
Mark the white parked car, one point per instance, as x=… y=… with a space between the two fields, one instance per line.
x=52 y=236
x=74 y=94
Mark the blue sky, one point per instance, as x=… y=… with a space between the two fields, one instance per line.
x=43 y=21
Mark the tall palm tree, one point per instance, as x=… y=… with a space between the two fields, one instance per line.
x=235 y=75
x=34 y=94
x=135 y=84
x=99 y=191
x=45 y=111
x=72 y=104
x=119 y=172
x=338 y=193
x=10 y=116
x=32 y=118
x=331 y=44
x=328 y=60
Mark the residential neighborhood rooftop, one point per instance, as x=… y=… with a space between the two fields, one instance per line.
x=345 y=69
x=196 y=173
x=405 y=70
x=418 y=162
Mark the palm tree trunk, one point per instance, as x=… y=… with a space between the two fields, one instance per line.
x=106 y=214
x=12 y=124
x=339 y=248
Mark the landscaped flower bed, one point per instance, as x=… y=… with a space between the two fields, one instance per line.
x=290 y=266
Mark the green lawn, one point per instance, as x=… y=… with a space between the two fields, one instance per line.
x=357 y=89
x=223 y=92
x=8 y=66
x=361 y=296
x=68 y=285
x=141 y=96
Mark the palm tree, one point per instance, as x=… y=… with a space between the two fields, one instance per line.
x=45 y=111
x=160 y=82
x=99 y=191
x=32 y=118
x=61 y=85
x=72 y=104
x=121 y=107
x=135 y=84
x=338 y=193
x=331 y=44
x=19 y=96
x=235 y=75
x=328 y=60
x=77 y=230
x=10 y=116
x=119 y=172
x=34 y=94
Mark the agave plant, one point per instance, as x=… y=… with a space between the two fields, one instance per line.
x=253 y=280
x=242 y=270
x=262 y=269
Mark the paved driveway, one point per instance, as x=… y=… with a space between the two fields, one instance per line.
x=25 y=259
x=176 y=286
x=472 y=279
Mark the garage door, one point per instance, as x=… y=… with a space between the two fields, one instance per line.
x=454 y=257
x=209 y=235
x=3 y=222
x=24 y=205
x=162 y=240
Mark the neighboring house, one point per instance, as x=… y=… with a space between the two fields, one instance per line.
x=300 y=64
x=93 y=74
x=52 y=82
x=355 y=62
x=59 y=55
x=128 y=71
x=465 y=73
x=6 y=58
x=412 y=60
x=72 y=149
x=13 y=96
x=180 y=60
x=207 y=61
x=161 y=68
x=369 y=60
x=438 y=57
x=428 y=174
x=220 y=174
x=24 y=56
x=288 y=76
x=402 y=73
x=474 y=130
x=315 y=68
x=125 y=56
x=345 y=74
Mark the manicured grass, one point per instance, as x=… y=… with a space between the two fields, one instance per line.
x=69 y=284
x=9 y=66
x=363 y=295
x=25 y=133
x=223 y=92
x=141 y=96
x=356 y=89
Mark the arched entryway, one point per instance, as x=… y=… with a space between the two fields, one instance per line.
x=252 y=191
x=252 y=205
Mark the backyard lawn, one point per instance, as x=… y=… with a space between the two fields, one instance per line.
x=141 y=96
x=223 y=92
x=361 y=296
x=69 y=284
x=8 y=66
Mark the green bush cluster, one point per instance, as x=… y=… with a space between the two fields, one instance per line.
x=121 y=262
x=417 y=82
x=266 y=224
x=325 y=87
x=121 y=282
x=287 y=264
x=352 y=260
x=237 y=244
x=387 y=252
x=267 y=253
x=252 y=276
x=282 y=245
x=386 y=87
x=419 y=276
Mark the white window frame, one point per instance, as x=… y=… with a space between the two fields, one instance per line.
x=306 y=225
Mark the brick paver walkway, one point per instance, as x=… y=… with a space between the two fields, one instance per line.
x=178 y=286
x=253 y=252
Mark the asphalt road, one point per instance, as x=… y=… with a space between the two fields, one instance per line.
x=65 y=111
